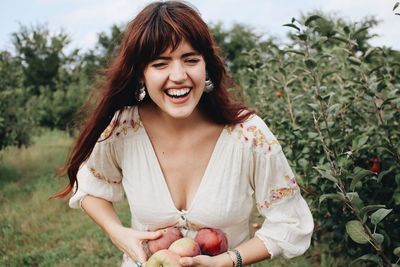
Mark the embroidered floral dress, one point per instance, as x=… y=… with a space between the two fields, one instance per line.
x=247 y=162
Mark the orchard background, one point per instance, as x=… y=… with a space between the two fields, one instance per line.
x=331 y=98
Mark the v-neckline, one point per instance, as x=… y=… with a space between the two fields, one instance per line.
x=161 y=176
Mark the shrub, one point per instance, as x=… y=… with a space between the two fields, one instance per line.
x=335 y=106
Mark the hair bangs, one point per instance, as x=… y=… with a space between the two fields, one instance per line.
x=166 y=29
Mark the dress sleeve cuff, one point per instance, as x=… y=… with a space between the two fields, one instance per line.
x=88 y=184
x=272 y=248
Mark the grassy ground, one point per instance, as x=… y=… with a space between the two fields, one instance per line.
x=36 y=231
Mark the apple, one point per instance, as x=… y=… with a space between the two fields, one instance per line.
x=169 y=235
x=212 y=242
x=164 y=258
x=185 y=247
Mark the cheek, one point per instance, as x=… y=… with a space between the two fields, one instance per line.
x=154 y=80
x=199 y=75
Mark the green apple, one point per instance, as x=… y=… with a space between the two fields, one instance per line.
x=164 y=258
x=185 y=247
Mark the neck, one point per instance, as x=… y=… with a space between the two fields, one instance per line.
x=173 y=125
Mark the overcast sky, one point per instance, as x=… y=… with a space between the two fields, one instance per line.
x=84 y=19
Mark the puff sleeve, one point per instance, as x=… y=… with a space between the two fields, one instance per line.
x=288 y=224
x=100 y=175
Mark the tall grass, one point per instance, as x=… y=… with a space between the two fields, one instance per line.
x=36 y=231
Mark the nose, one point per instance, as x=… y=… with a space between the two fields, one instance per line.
x=178 y=73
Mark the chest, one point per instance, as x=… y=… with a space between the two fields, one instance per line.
x=216 y=197
x=183 y=164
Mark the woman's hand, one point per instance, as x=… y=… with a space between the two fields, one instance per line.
x=207 y=261
x=130 y=241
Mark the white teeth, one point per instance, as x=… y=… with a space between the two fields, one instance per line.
x=178 y=92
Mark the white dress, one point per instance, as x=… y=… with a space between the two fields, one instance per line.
x=247 y=162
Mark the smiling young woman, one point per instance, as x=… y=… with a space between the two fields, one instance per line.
x=175 y=81
x=167 y=134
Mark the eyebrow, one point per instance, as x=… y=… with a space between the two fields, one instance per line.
x=185 y=55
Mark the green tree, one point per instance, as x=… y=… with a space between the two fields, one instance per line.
x=105 y=49
x=41 y=55
x=235 y=42
x=16 y=122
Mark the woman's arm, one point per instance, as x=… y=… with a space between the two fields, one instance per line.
x=126 y=239
x=253 y=251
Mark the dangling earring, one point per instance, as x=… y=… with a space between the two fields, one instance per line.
x=140 y=93
x=208 y=85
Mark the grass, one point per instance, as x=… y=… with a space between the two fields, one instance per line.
x=36 y=231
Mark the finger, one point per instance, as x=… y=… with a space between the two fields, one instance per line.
x=187 y=261
x=141 y=255
x=149 y=235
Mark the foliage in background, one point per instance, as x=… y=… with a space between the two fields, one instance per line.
x=334 y=102
x=332 y=99
x=16 y=125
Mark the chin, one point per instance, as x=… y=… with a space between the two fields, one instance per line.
x=181 y=113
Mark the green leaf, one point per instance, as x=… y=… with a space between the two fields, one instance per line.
x=333 y=108
x=379 y=215
x=294 y=51
x=355 y=200
x=378 y=237
x=291 y=25
x=323 y=39
x=356 y=232
x=375 y=69
x=310 y=63
x=341 y=39
x=396 y=198
x=333 y=196
x=395 y=6
x=358 y=176
x=396 y=251
x=326 y=74
x=362 y=141
x=358 y=142
x=383 y=173
x=288 y=83
x=368 y=257
x=326 y=174
x=354 y=60
x=344 y=40
x=369 y=52
x=369 y=208
x=311 y=18
x=361 y=30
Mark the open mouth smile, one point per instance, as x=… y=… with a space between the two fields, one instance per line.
x=178 y=93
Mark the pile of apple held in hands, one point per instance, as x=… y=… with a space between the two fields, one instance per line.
x=171 y=246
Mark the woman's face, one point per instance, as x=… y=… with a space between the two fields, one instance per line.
x=175 y=80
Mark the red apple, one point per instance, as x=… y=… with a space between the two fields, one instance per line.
x=212 y=242
x=185 y=247
x=169 y=235
x=164 y=258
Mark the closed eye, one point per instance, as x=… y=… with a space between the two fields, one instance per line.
x=192 y=60
x=159 y=65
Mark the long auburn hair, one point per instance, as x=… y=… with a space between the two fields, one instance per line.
x=158 y=27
